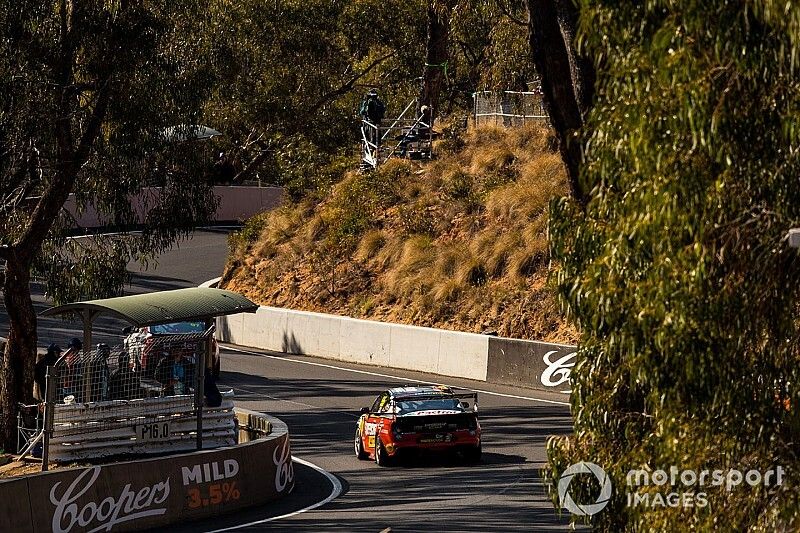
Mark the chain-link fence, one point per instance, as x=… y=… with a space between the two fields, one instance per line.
x=508 y=108
x=150 y=389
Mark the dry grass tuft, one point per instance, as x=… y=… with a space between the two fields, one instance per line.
x=492 y=160
x=417 y=254
x=478 y=138
x=448 y=291
x=390 y=253
x=533 y=138
x=314 y=229
x=370 y=245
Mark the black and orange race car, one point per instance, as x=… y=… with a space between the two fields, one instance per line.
x=423 y=417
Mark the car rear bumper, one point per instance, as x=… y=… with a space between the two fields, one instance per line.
x=433 y=444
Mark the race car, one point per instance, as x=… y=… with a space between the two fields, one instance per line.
x=423 y=417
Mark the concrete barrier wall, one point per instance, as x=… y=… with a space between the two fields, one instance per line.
x=363 y=341
x=430 y=350
x=539 y=365
x=236 y=204
x=151 y=493
x=515 y=362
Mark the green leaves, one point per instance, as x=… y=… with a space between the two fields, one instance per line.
x=124 y=71
x=677 y=270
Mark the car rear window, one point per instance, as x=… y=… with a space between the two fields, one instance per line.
x=177 y=328
x=428 y=404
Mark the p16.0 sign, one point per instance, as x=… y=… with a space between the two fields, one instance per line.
x=154 y=431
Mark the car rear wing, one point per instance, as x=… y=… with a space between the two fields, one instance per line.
x=471 y=405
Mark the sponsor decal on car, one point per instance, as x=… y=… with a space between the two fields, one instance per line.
x=434 y=412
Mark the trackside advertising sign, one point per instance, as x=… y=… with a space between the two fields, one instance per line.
x=150 y=493
x=539 y=365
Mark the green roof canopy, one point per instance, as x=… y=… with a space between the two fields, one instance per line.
x=165 y=307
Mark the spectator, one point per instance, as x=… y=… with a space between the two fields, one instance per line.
x=123 y=383
x=425 y=115
x=372 y=110
x=175 y=374
x=211 y=392
x=73 y=368
x=224 y=171
x=40 y=370
x=97 y=366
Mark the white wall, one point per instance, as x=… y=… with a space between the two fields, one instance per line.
x=431 y=350
x=236 y=203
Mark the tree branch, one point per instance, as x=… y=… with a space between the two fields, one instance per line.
x=257 y=160
x=69 y=164
x=348 y=85
x=506 y=10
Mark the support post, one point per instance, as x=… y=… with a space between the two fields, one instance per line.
x=49 y=405
x=205 y=359
x=199 y=393
x=88 y=317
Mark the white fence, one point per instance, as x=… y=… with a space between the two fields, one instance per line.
x=508 y=108
x=151 y=426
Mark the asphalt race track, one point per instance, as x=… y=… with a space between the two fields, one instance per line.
x=320 y=399
x=320 y=404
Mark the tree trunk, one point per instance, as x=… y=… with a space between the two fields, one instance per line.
x=20 y=354
x=437 y=56
x=567 y=80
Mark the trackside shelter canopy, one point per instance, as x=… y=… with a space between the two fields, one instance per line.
x=182 y=305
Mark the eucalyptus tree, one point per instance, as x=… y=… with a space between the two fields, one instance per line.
x=567 y=79
x=494 y=44
x=437 y=54
x=86 y=92
x=673 y=257
x=295 y=72
x=473 y=45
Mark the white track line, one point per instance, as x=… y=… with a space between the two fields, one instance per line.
x=335 y=492
x=275 y=398
x=377 y=374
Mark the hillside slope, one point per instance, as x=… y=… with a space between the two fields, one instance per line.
x=459 y=243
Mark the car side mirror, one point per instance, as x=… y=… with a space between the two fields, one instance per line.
x=365 y=410
x=464 y=405
x=127 y=330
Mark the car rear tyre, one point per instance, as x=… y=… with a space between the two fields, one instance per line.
x=473 y=454
x=359 y=447
x=381 y=456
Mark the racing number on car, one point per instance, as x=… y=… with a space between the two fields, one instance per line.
x=370 y=431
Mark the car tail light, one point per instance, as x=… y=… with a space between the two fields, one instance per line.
x=396 y=432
